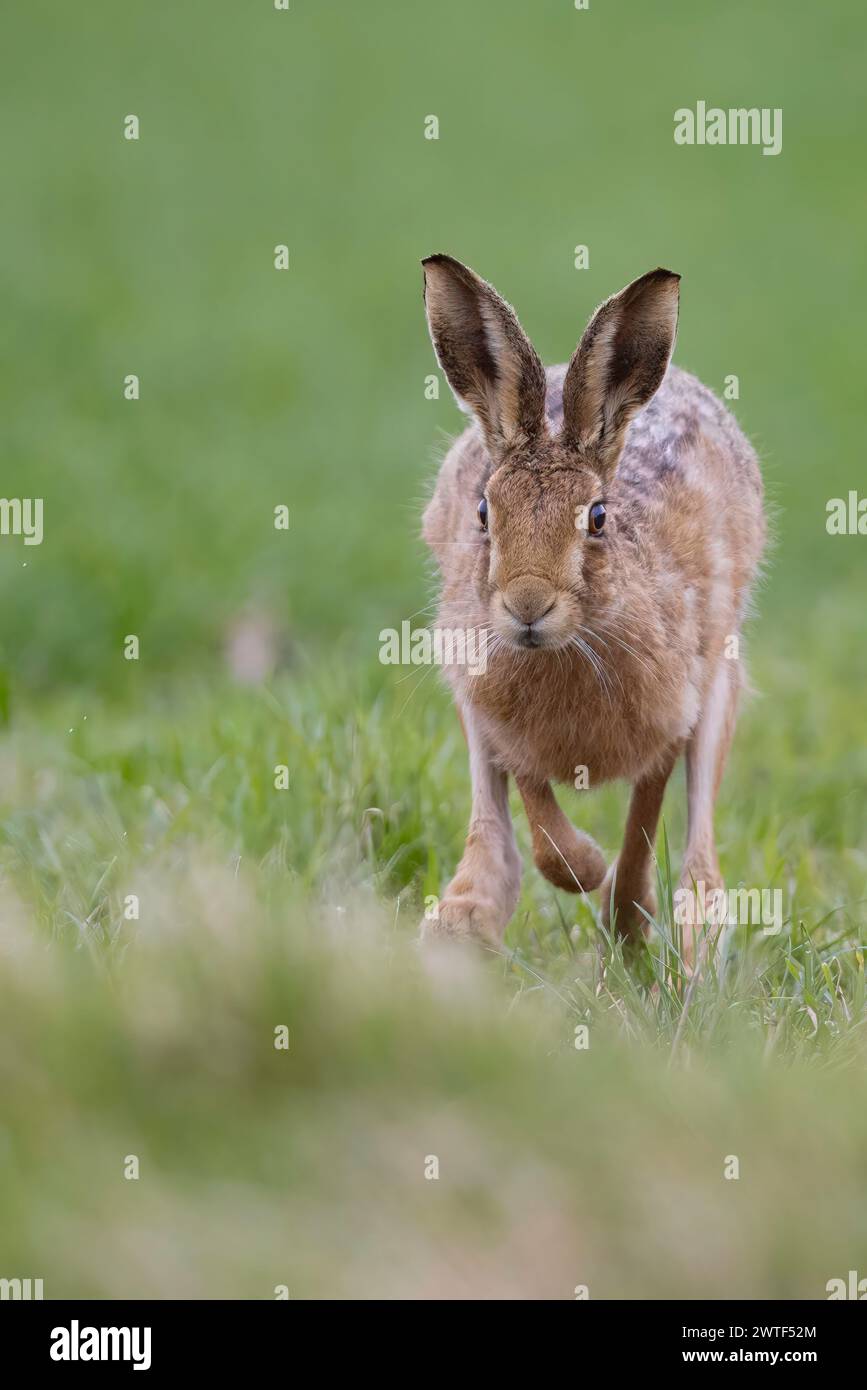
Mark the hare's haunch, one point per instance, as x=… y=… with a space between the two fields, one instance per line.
x=602 y=525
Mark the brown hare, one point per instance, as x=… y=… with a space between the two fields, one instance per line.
x=603 y=523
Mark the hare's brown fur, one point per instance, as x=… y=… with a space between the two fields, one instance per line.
x=612 y=652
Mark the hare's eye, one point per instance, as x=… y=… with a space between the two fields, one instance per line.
x=483 y=513
x=596 y=518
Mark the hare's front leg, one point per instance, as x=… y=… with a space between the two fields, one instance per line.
x=482 y=895
x=706 y=755
x=567 y=857
x=628 y=886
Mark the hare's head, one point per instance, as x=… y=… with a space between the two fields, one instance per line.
x=550 y=527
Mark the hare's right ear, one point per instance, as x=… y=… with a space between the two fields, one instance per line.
x=619 y=363
x=484 y=352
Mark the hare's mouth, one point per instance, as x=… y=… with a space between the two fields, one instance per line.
x=531 y=626
x=529 y=639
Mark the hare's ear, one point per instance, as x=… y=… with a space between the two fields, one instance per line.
x=619 y=363
x=484 y=352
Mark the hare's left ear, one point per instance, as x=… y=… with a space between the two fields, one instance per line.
x=619 y=363
x=488 y=359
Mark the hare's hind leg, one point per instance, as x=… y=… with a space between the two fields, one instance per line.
x=484 y=891
x=706 y=755
x=566 y=856
x=628 y=892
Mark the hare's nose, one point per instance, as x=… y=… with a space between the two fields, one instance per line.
x=528 y=600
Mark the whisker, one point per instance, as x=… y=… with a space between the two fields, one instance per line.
x=615 y=673
x=622 y=627
x=593 y=660
x=416 y=687
x=625 y=645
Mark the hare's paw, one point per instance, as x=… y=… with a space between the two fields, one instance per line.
x=625 y=899
x=700 y=909
x=467 y=917
x=576 y=864
x=481 y=897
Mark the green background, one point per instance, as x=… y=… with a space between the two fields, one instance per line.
x=153 y=1035
x=306 y=387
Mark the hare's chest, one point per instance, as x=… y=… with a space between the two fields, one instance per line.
x=562 y=731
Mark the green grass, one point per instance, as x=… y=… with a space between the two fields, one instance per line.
x=155 y=778
x=96 y=796
x=260 y=907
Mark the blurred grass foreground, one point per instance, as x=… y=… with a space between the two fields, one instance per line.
x=223 y=986
x=414 y=1139
x=225 y=1068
